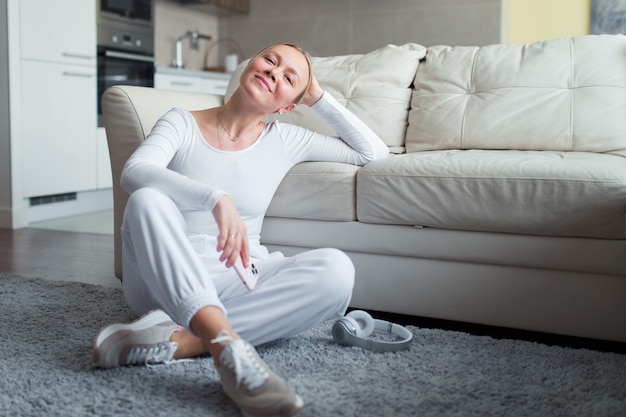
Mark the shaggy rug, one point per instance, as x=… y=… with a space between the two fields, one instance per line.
x=47 y=329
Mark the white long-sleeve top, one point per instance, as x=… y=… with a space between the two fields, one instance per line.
x=176 y=160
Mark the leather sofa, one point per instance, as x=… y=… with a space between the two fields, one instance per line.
x=503 y=201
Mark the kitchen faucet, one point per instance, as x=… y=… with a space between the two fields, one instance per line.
x=193 y=36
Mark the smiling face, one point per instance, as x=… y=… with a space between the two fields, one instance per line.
x=277 y=77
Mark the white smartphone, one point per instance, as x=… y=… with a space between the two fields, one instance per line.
x=249 y=276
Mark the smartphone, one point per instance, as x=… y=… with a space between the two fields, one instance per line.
x=249 y=276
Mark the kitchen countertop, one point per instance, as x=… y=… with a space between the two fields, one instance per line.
x=194 y=73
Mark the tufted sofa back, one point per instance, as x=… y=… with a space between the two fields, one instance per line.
x=558 y=95
x=375 y=86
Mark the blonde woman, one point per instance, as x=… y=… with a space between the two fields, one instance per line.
x=199 y=186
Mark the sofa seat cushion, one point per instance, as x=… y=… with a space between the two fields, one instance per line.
x=317 y=191
x=527 y=192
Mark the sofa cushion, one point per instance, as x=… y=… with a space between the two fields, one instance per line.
x=376 y=87
x=528 y=192
x=562 y=95
x=317 y=191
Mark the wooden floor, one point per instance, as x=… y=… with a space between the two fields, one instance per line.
x=88 y=258
x=58 y=255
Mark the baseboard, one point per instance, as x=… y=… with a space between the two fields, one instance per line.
x=85 y=202
x=11 y=218
x=496 y=332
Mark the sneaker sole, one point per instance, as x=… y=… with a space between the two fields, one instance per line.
x=148 y=320
x=297 y=407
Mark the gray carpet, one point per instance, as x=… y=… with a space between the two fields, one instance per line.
x=47 y=328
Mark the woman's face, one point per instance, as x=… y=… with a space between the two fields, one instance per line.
x=276 y=77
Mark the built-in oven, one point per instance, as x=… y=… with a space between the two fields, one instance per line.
x=117 y=67
x=125 y=45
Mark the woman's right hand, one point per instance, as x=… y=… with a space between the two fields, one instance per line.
x=313 y=94
x=232 y=240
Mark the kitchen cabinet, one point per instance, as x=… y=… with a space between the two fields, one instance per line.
x=191 y=81
x=58 y=108
x=58 y=31
x=219 y=7
x=58 y=96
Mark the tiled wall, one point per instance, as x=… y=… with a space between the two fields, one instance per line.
x=172 y=21
x=337 y=27
x=326 y=27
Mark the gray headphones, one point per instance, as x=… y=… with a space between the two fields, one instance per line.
x=354 y=329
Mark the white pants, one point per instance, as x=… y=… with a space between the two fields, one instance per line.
x=161 y=269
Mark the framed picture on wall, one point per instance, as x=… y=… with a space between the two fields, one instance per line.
x=608 y=16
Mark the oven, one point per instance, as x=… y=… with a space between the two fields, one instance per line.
x=125 y=45
x=117 y=67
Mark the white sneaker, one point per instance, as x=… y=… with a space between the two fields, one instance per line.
x=145 y=341
x=248 y=381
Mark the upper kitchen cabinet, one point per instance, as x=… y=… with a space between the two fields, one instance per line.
x=61 y=31
x=219 y=7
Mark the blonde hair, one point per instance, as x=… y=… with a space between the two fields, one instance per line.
x=307 y=57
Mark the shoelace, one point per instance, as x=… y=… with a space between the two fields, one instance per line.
x=153 y=355
x=241 y=361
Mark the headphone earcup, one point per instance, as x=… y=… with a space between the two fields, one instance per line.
x=343 y=327
x=365 y=322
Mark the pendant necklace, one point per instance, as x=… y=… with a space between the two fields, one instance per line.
x=217 y=131
x=231 y=137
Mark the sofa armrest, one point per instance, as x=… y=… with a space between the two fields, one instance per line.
x=129 y=113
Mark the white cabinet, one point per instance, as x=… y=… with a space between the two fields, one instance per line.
x=58 y=104
x=58 y=109
x=192 y=81
x=58 y=31
x=178 y=83
x=215 y=86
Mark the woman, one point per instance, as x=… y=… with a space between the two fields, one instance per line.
x=200 y=185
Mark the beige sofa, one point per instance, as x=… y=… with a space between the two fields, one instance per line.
x=503 y=203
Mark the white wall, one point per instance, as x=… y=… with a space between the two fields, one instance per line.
x=12 y=212
x=5 y=137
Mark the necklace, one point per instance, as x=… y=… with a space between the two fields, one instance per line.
x=231 y=137
x=217 y=132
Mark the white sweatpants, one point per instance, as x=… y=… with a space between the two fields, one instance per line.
x=161 y=269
